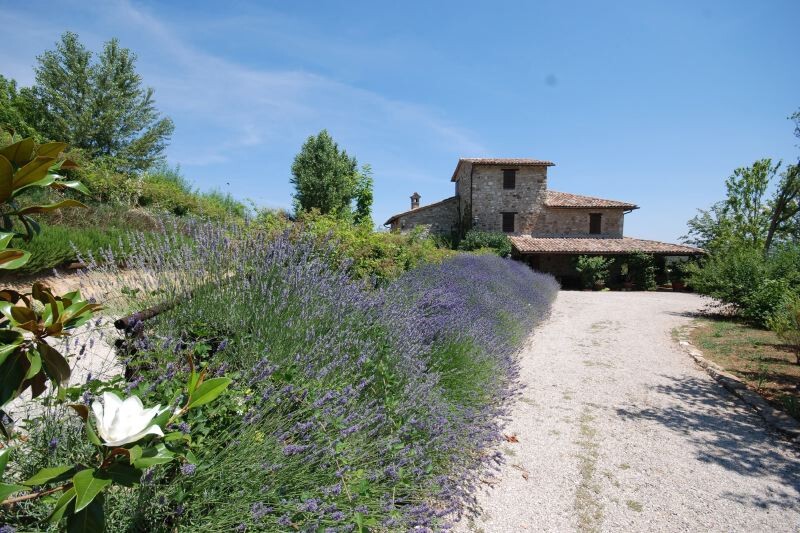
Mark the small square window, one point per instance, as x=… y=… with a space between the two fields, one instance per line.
x=595 y=223
x=508 y=222
x=509 y=178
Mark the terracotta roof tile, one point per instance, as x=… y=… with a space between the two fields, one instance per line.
x=506 y=161
x=511 y=161
x=568 y=200
x=527 y=244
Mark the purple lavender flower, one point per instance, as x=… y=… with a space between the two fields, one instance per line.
x=188 y=469
x=259 y=510
x=310 y=506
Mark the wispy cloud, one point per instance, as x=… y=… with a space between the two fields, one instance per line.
x=240 y=120
x=250 y=107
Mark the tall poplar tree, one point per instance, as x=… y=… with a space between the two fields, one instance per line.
x=100 y=106
x=327 y=178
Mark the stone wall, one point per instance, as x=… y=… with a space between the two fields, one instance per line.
x=490 y=200
x=576 y=222
x=480 y=201
x=442 y=218
x=463 y=193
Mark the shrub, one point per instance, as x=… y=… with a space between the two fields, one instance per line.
x=167 y=189
x=219 y=206
x=366 y=254
x=58 y=245
x=755 y=285
x=105 y=183
x=476 y=240
x=642 y=270
x=785 y=321
x=593 y=269
x=352 y=407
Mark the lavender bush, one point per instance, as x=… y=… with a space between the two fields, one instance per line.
x=353 y=408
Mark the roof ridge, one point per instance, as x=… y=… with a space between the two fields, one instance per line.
x=422 y=207
x=570 y=199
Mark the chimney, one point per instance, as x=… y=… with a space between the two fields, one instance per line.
x=415 y=200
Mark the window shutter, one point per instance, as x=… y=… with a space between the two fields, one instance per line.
x=509 y=178
x=595 y=223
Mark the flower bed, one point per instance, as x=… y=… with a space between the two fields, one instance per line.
x=351 y=407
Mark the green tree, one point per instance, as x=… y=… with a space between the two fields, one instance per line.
x=12 y=118
x=327 y=179
x=99 y=106
x=363 y=211
x=748 y=217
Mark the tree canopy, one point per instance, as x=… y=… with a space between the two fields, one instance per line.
x=328 y=179
x=750 y=216
x=97 y=105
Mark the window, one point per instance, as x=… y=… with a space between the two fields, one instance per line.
x=509 y=178
x=508 y=222
x=595 y=223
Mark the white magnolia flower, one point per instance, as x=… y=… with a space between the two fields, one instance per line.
x=122 y=422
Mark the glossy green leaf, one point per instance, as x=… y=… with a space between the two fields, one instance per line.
x=46 y=181
x=12 y=374
x=135 y=453
x=7 y=489
x=35 y=367
x=92 y=434
x=33 y=171
x=154 y=456
x=22 y=315
x=49 y=207
x=208 y=391
x=20 y=152
x=55 y=365
x=9 y=342
x=61 y=506
x=6 y=179
x=89 y=520
x=124 y=474
x=162 y=419
x=53 y=149
x=74 y=184
x=5 y=238
x=193 y=378
x=48 y=475
x=88 y=484
x=12 y=258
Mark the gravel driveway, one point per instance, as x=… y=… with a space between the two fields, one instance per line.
x=618 y=430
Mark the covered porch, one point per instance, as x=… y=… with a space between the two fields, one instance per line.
x=557 y=255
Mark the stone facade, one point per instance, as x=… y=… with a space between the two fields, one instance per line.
x=441 y=217
x=481 y=200
x=490 y=200
x=572 y=222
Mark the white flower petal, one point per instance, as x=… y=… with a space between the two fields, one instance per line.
x=97 y=408
x=121 y=422
x=152 y=430
x=111 y=404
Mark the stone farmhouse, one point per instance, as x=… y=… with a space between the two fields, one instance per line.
x=547 y=229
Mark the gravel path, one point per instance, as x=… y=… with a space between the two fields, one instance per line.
x=618 y=430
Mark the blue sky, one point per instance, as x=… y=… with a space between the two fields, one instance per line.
x=654 y=103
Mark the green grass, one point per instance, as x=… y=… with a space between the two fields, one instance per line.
x=757 y=356
x=56 y=246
